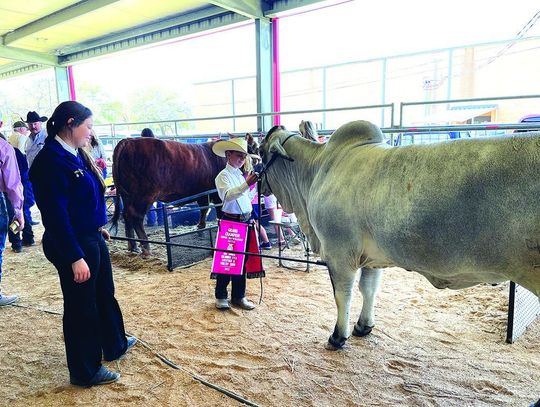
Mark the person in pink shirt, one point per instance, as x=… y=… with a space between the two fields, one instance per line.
x=10 y=185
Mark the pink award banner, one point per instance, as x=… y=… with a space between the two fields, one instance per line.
x=231 y=236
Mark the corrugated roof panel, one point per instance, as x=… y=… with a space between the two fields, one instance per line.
x=13 y=14
x=115 y=17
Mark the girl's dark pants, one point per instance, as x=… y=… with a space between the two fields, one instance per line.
x=238 y=282
x=93 y=323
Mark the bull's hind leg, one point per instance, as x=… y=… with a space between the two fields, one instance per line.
x=370 y=280
x=130 y=234
x=134 y=216
x=342 y=277
x=141 y=234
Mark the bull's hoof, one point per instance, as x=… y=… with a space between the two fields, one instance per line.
x=201 y=226
x=329 y=346
x=335 y=344
x=135 y=250
x=364 y=331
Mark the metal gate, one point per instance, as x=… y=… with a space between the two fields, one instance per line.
x=180 y=227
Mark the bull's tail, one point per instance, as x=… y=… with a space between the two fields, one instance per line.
x=118 y=186
x=113 y=230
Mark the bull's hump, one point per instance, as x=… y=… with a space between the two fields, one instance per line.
x=359 y=132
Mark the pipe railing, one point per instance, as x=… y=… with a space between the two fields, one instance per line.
x=403 y=105
x=462 y=127
x=113 y=126
x=393 y=129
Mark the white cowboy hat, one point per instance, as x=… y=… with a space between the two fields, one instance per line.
x=235 y=144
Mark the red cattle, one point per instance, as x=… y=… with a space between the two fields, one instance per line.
x=146 y=170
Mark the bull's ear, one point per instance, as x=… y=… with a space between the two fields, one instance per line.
x=274 y=130
x=275 y=147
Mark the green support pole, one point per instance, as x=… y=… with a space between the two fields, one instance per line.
x=263 y=33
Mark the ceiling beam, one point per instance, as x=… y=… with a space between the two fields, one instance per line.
x=281 y=6
x=247 y=8
x=23 y=55
x=15 y=69
x=224 y=18
x=200 y=15
x=60 y=16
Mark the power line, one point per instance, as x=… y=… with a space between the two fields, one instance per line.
x=530 y=24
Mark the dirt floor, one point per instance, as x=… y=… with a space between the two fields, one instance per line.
x=429 y=347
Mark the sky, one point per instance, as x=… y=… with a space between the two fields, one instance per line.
x=349 y=31
x=358 y=30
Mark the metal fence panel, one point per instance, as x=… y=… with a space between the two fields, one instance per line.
x=184 y=257
x=523 y=309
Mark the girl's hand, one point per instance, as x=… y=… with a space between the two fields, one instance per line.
x=105 y=233
x=81 y=271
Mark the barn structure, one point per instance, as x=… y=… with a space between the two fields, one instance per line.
x=58 y=34
x=61 y=33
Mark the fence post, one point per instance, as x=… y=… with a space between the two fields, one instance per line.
x=167 y=237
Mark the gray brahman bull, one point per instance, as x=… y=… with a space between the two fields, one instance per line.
x=459 y=213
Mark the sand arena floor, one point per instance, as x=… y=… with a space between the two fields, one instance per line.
x=429 y=347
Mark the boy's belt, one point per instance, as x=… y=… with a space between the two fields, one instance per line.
x=236 y=215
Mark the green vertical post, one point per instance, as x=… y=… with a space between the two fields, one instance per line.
x=62 y=83
x=324 y=98
x=383 y=90
x=450 y=73
x=263 y=44
x=233 y=111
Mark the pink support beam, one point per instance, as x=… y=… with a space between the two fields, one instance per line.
x=276 y=89
x=71 y=81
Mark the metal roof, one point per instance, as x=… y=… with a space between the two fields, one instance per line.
x=41 y=33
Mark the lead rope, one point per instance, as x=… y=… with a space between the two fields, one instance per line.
x=259 y=182
x=258 y=231
x=165 y=360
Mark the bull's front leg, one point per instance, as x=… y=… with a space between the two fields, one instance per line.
x=370 y=281
x=202 y=218
x=342 y=281
x=203 y=201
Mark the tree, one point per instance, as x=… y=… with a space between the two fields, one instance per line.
x=23 y=94
x=156 y=103
x=104 y=107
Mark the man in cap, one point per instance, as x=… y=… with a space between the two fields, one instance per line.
x=19 y=136
x=236 y=195
x=10 y=184
x=18 y=140
x=37 y=137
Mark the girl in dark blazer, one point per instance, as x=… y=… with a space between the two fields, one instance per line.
x=69 y=193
